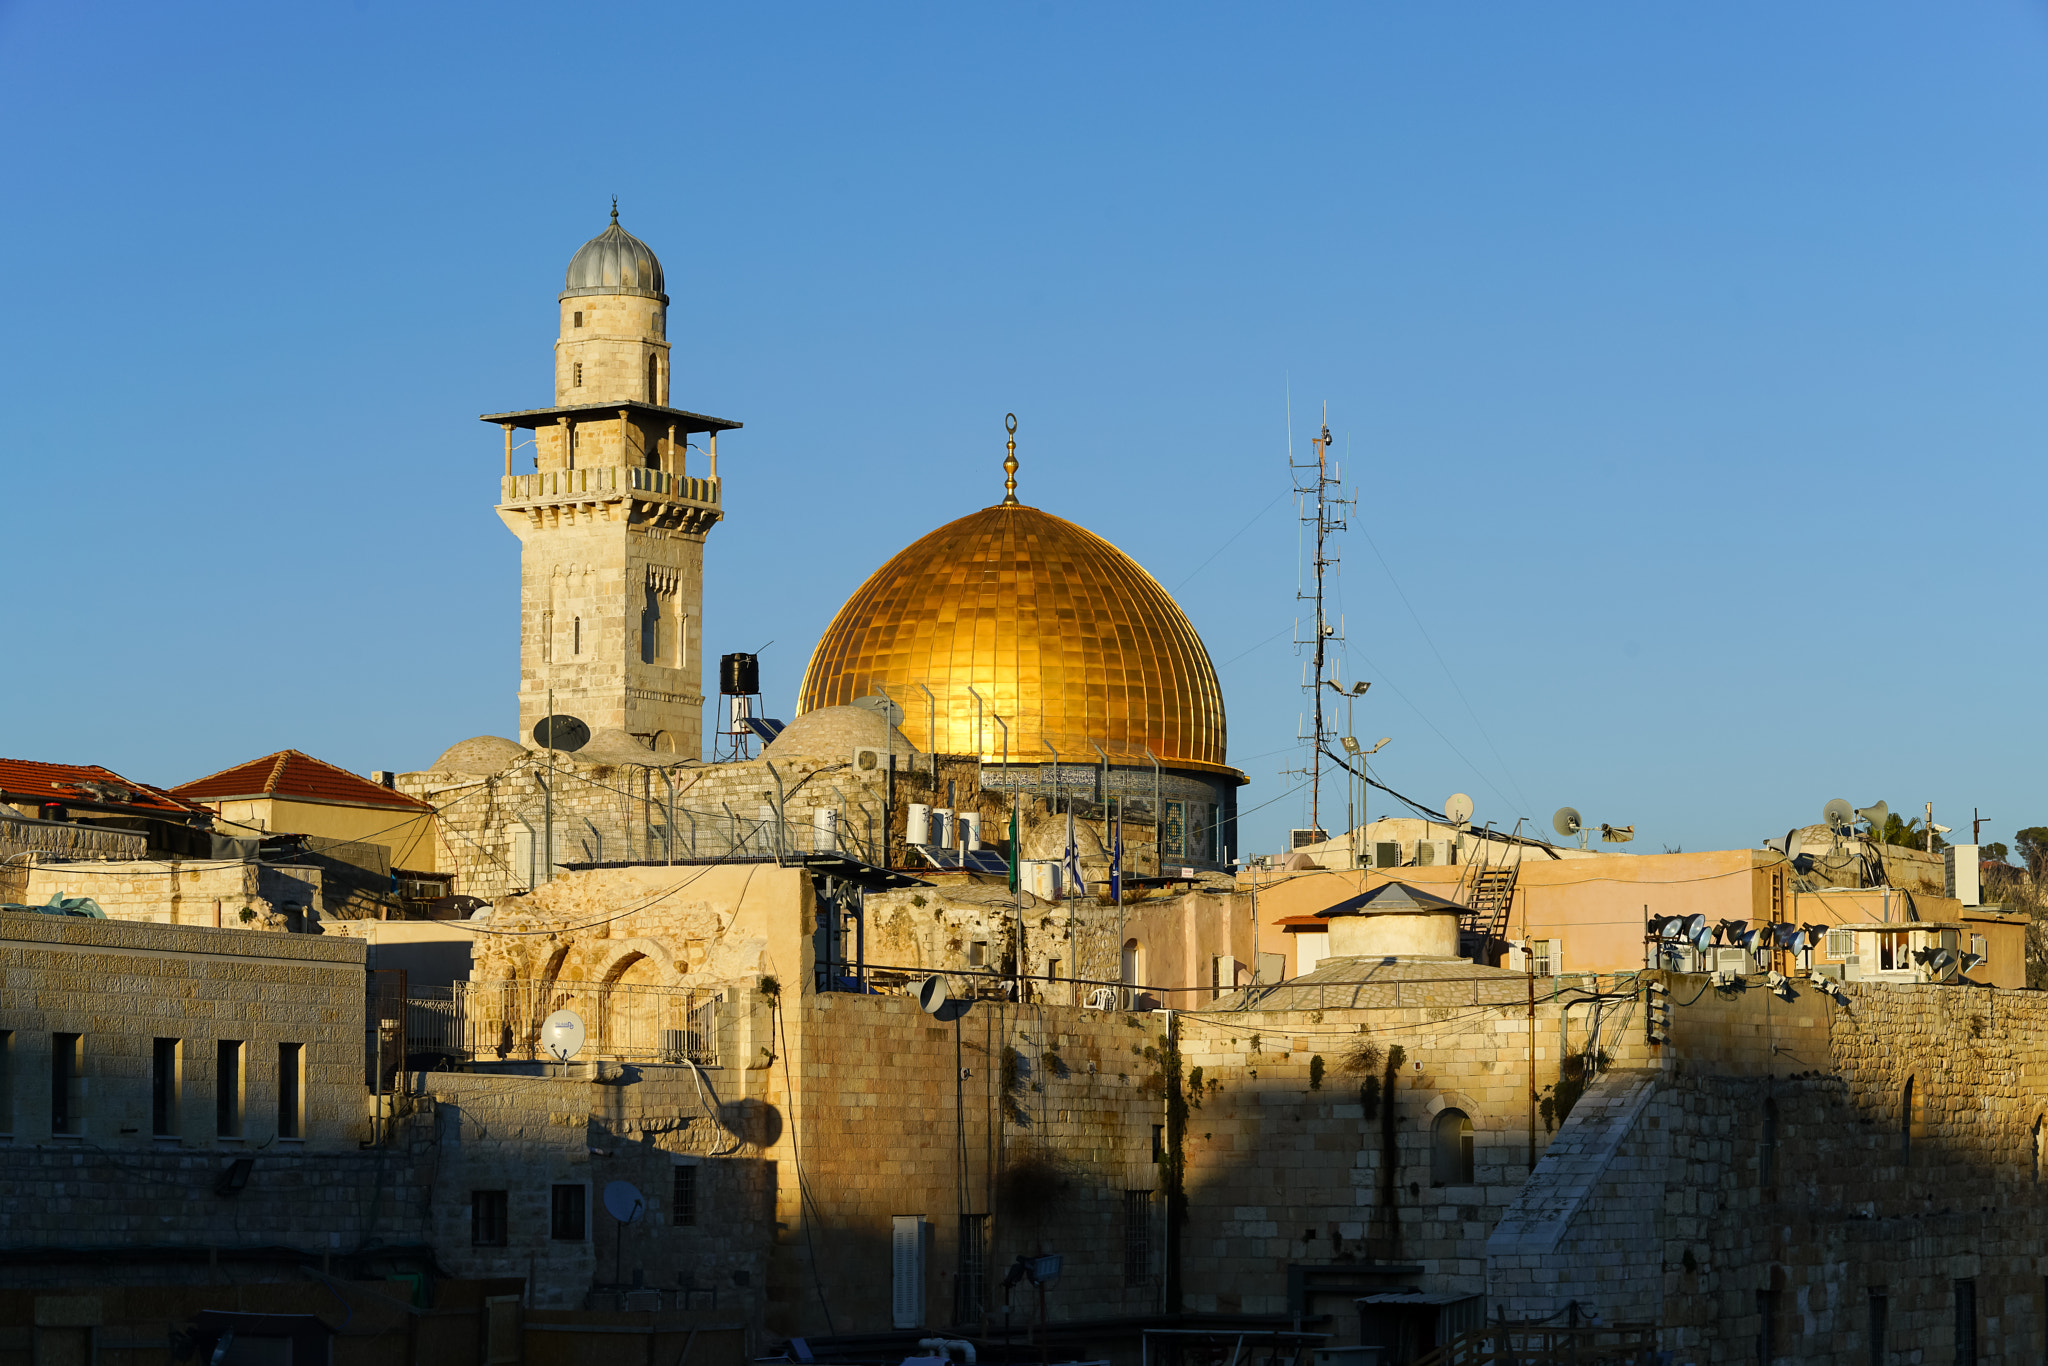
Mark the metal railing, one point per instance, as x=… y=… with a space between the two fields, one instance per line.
x=730 y=835
x=472 y=1021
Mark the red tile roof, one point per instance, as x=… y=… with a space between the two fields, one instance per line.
x=294 y=776
x=84 y=785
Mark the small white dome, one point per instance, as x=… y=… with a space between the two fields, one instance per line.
x=834 y=733
x=480 y=755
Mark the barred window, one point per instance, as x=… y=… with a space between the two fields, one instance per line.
x=487 y=1219
x=1841 y=944
x=1137 y=1238
x=683 y=1210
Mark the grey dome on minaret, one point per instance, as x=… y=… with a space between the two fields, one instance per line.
x=615 y=262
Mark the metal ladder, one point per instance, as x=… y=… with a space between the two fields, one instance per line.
x=1488 y=894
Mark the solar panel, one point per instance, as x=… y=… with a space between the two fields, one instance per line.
x=765 y=728
x=988 y=861
x=947 y=859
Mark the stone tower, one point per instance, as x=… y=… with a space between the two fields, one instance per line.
x=611 y=518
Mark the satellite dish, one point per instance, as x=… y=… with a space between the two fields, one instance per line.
x=561 y=1034
x=882 y=707
x=1836 y=814
x=1459 y=809
x=1566 y=822
x=622 y=1201
x=564 y=734
x=1876 y=815
x=931 y=997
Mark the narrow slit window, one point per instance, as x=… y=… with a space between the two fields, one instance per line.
x=576 y=378
x=579 y=317
x=291 y=1091
x=576 y=636
x=1137 y=1238
x=163 y=1088
x=653 y=380
x=67 y=1083
x=227 y=1088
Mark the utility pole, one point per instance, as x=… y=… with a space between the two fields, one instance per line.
x=1318 y=480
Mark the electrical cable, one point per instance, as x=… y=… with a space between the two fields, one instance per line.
x=797 y=1158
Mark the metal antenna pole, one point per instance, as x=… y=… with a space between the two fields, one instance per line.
x=1321 y=485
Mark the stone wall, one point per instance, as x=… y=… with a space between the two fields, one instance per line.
x=121 y=986
x=1757 y=1191
x=210 y=893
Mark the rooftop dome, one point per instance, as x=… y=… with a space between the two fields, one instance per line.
x=834 y=733
x=615 y=262
x=1061 y=634
x=480 y=755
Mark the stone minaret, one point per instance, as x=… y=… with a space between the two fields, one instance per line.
x=610 y=515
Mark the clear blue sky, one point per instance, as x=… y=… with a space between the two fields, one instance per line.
x=1687 y=361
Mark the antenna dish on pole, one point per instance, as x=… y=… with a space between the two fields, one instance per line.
x=562 y=1034
x=563 y=732
x=622 y=1201
x=931 y=996
x=1459 y=809
x=880 y=706
x=1566 y=822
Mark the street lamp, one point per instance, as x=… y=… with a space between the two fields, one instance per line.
x=1351 y=696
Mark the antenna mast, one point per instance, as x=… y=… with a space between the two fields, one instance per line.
x=1318 y=480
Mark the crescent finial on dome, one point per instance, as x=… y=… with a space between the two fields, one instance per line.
x=1010 y=462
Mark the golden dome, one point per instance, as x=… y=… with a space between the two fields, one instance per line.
x=1063 y=636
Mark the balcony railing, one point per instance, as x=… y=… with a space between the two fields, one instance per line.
x=606 y=481
x=483 y=1021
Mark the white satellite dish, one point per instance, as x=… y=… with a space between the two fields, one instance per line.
x=622 y=1201
x=1459 y=809
x=931 y=996
x=561 y=1034
x=1566 y=822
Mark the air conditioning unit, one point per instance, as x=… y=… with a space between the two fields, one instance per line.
x=1434 y=853
x=868 y=762
x=1962 y=875
x=1300 y=839
x=1736 y=961
x=1383 y=854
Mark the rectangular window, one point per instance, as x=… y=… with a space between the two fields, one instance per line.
x=1980 y=946
x=1137 y=1238
x=163 y=1087
x=683 y=1210
x=1767 y=1326
x=227 y=1088
x=1880 y=1314
x=1966 y=1322
x=579 y=317
x=1549 y=955
x=977 y=953
x=906 y=1268
x=970 y=1284
x=566 y=1219
x=291 y=1090
x=487 y=1219
x=1172 y=837
x=67 y=1083
x=6 y=1083
x=1841 y=944
x=1893 y=952
x=1052 y=968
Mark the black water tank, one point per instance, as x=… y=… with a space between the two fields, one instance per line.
x=739 y=675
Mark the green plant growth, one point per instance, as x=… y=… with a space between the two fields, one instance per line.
x=1315 y=1072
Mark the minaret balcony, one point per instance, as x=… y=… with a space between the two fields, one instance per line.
x=631 y=492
